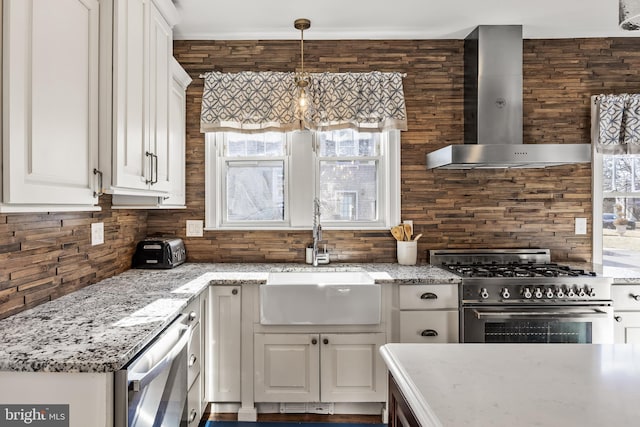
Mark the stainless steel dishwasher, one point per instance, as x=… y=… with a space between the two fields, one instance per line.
x=151 y=390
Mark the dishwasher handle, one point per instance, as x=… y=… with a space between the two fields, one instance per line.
x=137 y=381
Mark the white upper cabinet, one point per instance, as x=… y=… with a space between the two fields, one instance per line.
x=136 y=49
x=174 y=171
x=50 y=105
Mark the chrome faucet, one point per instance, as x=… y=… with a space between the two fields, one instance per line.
x=317 y=258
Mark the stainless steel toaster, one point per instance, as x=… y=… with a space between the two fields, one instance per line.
x=159 y=252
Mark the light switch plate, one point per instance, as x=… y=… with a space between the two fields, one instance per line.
x=97 y=233
x=195 y=228
x=581 y=225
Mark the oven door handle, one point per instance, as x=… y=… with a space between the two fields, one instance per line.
x=529 y=314
x=138 y=381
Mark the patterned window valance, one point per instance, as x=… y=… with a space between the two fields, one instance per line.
x=618 y=124
x=265 y=101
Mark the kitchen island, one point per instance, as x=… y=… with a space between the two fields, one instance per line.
x=514 y=384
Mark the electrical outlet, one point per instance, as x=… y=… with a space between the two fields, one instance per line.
x=581 y=225
x=195 y=228
x=97 y=233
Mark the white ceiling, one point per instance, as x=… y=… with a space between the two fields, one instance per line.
x=393 y=19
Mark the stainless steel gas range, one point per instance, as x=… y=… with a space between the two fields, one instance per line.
x=519 y=296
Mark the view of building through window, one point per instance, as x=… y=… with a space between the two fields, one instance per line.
x=621 y=211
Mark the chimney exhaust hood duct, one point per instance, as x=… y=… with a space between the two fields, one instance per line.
x=493 y=110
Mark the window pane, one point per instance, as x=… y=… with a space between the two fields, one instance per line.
x=623 y=173
x=255 y=192
x=348 y=143
x=348 y=190
x=269 y=144
x=620 y=235
x=607 y=173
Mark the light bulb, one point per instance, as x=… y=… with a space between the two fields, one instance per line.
x=302 y=100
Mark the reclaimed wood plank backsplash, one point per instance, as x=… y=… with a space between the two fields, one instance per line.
x=453 y=209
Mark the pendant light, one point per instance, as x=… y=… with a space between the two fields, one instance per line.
x=301 y=77
x=629 y=17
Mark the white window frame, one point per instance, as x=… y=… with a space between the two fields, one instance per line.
x=301 y=186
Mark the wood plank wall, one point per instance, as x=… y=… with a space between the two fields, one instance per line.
x=44 y=256
x=453 y=209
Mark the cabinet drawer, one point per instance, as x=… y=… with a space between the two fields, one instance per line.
x=194 y=406
x=623 y=299
x=421 y=297
x=193 y=351
x=429 y=326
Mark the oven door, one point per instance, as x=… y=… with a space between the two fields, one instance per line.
x=585 y=324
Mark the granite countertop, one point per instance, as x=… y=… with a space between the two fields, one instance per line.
x=101 y=327
x=518 y=384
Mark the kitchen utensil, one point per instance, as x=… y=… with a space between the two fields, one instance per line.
x=408 y=231
x=418 y=236
x=397 y=232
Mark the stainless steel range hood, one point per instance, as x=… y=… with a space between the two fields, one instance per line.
x=493 y=110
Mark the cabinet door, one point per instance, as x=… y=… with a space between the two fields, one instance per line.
x=177 y=124
x=194 y=409
x=626 y=327
x=131 y=164
x=50 y=100
x=429 y=326
x=223 y=366
x=352 y=369
x=160 y=46
x=286 y=368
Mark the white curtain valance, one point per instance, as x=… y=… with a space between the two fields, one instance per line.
x=265 y=101
x=618 y=124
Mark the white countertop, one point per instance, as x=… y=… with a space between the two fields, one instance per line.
x=518 y=384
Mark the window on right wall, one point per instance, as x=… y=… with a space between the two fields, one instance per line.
x=616 y=210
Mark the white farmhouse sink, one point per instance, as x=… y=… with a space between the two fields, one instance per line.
x=320 y=298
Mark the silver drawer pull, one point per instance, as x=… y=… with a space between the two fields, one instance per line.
x=193 y=415
x=428 y=295
x=192 y=316
x=429 y=333
x=617 y=318
x=635 y=297
x=192 y=360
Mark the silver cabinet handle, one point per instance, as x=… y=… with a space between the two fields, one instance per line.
x=635 y=297
x=150 y=156
x=428 y=295
x=192 y=316
x=429 y=333
x=100 y=191
x=617 y=318
x=192 y=415
x=155 y=180
x=192 y=360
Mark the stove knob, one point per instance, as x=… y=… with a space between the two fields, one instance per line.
x=592 y=293
x=527 y=293
x=549 y=293
x=505 y=293
x=571 y=293
x=538 y=293
x=560 y=293
x=483 y=293
x=582 y=293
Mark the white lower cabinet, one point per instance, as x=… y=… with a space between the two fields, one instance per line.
x=194 y=407
x=223 y=348
x=429 y=326
x=429 y=313
x=319 y=367
x=626 y=306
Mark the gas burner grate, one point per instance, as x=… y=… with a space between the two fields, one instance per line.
x=521 y=269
